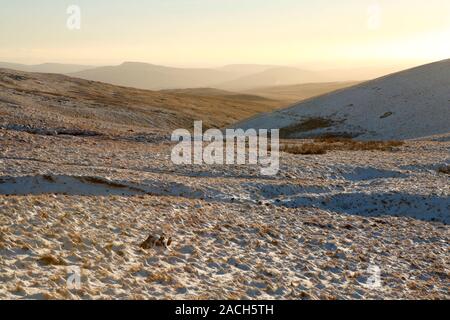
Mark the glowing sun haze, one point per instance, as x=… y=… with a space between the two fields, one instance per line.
x=315 y=33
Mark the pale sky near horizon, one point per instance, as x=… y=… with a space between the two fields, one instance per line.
x=319 y=33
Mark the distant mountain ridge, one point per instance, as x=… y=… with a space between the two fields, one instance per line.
x=46 y=67
x=232 y=77
x=155 y=77
x=235 y=77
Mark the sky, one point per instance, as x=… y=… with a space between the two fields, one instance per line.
x=319 y=33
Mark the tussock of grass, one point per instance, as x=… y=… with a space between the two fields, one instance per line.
x=48 y=178
x=162 y=278
x=306 y=148
x=444 y=170
x=325 y=144
x=51 y=260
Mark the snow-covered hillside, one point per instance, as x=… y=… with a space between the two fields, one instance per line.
x=407 y=105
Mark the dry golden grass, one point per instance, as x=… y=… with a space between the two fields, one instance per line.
x=352 y=145
x=122 y=108
x=306 y=148
x=323 y=145
x=51 y=260
x=161 y=277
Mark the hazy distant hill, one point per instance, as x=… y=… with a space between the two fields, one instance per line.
x=241 y=70
x=235 y=77
x=212 y=92
x=46 y=67
x=360 y=73
x=280 y=96
x=232 y=77
x=298 y=92
x=277 y=76
x=154 y=77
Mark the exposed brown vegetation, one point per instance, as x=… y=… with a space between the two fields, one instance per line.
x=444 y=170
x=107 y=109
x=48 y=178
x=353 y=145
x=51 y=260
x=156 y=241
x=386 y=115
x=96 y=180
x=307 y=125
x=323 y=145
x=162 y=278
x=306 y=148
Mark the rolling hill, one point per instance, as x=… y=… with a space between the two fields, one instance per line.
x=235 y=77
x=154 y=77
x=410 y=104
x=58 y=103
x=278 y=76
x=232 y=77
x=230 y=95
x=279 y=96
x=297 y=92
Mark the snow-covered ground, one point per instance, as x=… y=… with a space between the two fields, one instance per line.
x=316 y=230
x=407 y=105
